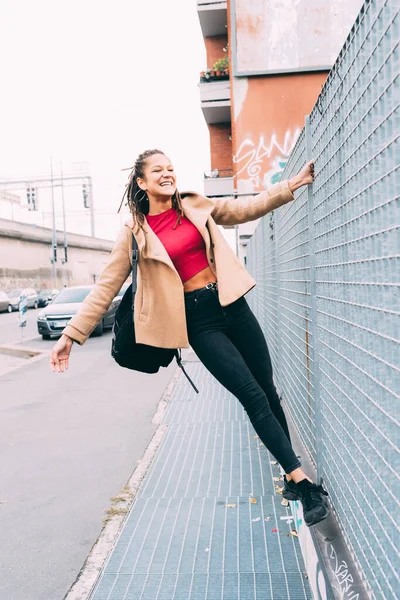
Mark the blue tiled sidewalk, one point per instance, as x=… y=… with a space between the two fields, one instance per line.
x=181 y=541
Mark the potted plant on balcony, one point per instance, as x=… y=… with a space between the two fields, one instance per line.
x=221 y=66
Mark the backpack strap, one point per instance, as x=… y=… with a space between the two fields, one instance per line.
x=178 y=357
x=135 y=256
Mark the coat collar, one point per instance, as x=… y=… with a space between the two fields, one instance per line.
x=197 y=209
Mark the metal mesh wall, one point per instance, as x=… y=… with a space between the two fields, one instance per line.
x=334 y=329
x=294 y=306
x=262 y=263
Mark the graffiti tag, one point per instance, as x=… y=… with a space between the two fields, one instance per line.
x=344 y=578
x=254 y=160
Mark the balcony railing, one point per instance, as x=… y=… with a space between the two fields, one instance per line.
x=212 y=17
x=218 y=182
x=212 y=75
x=215 y=173
x=215 y=98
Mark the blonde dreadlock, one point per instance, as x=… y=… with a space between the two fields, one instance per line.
x=137 y=199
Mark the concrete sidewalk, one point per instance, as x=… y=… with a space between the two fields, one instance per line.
x=207 y=521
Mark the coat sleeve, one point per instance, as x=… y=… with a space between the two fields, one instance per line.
x=110 y=282
x=233 y=211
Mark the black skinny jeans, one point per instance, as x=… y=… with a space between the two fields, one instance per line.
x=231 y=345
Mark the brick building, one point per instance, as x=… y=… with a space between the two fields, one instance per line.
x=266 y=64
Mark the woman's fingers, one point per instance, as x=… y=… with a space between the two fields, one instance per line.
x=59 y=359
x=63 y=364
x=309 y=171
x=59 y=366
x=54 y=362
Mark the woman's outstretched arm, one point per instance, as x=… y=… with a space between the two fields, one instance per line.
x=233 y=211
x=96 y=303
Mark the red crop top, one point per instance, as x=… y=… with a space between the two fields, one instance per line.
x=184 y=244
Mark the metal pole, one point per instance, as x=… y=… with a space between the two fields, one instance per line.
x=54 y=234
x=235 y=195
x=237 y=239
x=64 y=221
x=91 y=208
x=315 y=372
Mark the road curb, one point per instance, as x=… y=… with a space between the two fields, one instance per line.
x=88 y=576
x=28 y=355
x=20 y=351
x=162 y=405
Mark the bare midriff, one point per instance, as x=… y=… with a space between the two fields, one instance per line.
x=199 y=280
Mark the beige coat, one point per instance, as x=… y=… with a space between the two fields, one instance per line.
x=159 y=302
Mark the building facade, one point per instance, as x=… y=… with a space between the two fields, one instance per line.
x=266 y=64
x=25 y=252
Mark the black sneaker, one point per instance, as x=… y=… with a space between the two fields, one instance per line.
x=289 y=490
x=313 y=499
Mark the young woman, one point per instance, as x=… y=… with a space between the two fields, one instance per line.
x=191 y=290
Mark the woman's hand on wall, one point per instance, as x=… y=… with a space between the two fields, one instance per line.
x=303 y=177
x=59 y=356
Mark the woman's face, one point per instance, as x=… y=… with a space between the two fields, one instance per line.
x=159 y=180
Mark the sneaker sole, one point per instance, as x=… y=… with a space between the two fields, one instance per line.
x=326 y=515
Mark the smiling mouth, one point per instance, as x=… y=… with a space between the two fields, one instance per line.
x=166 y=183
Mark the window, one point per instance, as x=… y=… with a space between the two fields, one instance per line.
x=71 y=295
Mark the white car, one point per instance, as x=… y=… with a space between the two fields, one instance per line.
x=15 y=297
x=5 y=303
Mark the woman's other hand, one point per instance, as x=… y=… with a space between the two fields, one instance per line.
x=59 y=356
x=303 y=177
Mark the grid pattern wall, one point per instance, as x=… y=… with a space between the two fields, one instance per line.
x=337 y=277
x=356 y=245
x=278 y=257
x=294 y=305
x=262 y=263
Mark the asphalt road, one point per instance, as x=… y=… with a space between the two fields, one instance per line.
x=10 y=332
x=68 y=443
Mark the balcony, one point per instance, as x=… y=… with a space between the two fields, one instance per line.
x=218 y=183
x=215 y=98
x=212 y=17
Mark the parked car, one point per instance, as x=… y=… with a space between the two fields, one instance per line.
x=56 y=315
x=15 y=297
x=46 y=296
x=122 y=291
x=5 y=304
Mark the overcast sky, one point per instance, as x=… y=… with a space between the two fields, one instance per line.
x=100 y=82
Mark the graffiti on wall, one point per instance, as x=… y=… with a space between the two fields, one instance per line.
x=344 y=582
x=317 y=577
x=261 y=163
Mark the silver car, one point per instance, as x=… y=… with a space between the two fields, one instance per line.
x=56 y=315
x=5 y=304
x=16 y=295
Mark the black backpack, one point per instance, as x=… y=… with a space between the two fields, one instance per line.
x=124 y=349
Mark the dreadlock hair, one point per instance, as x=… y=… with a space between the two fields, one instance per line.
x=137 y=199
